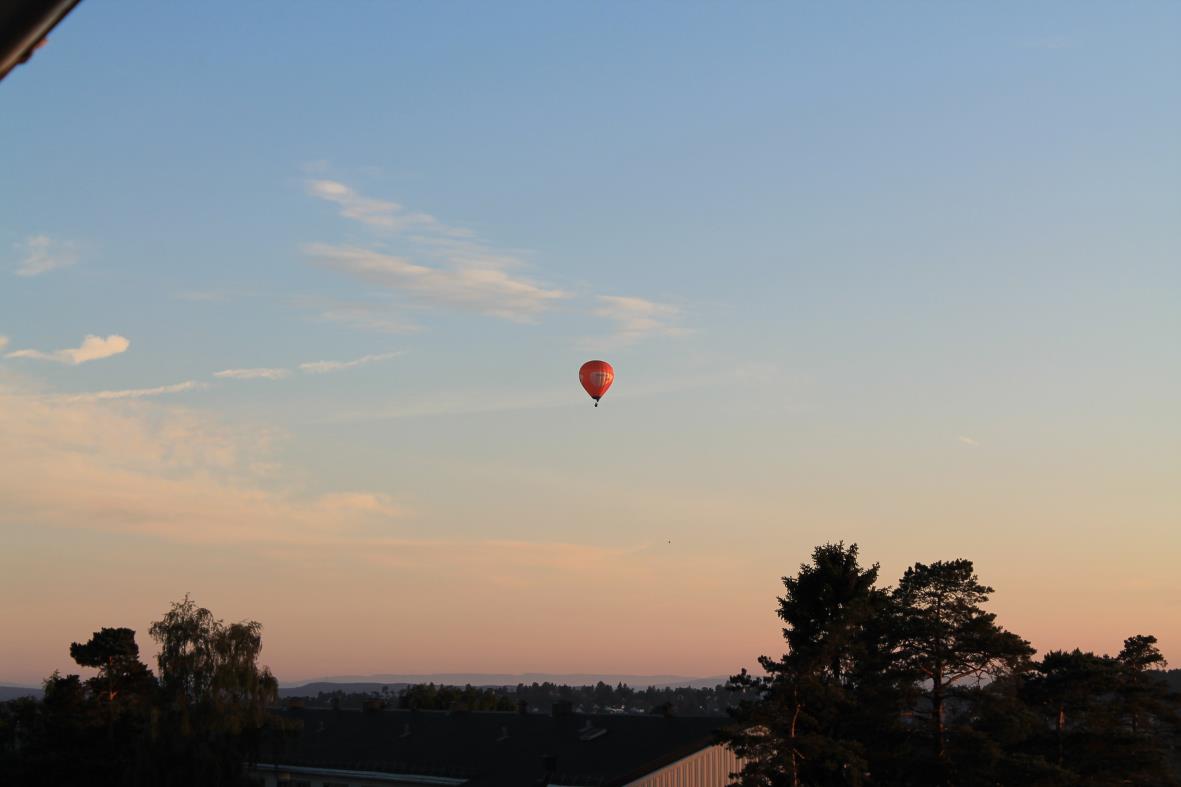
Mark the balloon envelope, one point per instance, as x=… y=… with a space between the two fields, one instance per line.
x=596 y=377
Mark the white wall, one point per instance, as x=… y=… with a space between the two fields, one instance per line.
x=707 y=768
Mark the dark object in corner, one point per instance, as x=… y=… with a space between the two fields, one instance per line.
x=24 y=25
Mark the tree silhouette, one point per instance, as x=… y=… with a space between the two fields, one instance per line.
x=945 y=635
x=796 y=732
x=214 y=695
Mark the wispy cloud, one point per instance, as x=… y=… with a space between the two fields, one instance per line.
x=637 y=318
x=253 y=374
x=967 y=440
x=464 y=272
x=3 y=342
x=377 y=213
x=479 y=288
x=42 y=254
x=92 y=349
x=161 y=471
x=134 y=393
x=323 y=367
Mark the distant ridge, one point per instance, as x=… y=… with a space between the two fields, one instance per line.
x=375 y=682
x=13 y=692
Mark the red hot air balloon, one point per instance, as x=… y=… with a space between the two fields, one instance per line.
x=596 y=377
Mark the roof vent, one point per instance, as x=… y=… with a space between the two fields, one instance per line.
x=406 y=730
x=503 y=734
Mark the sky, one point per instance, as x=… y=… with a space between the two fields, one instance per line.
x=293 y=298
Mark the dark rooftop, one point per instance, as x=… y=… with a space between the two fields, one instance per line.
x=491 y=749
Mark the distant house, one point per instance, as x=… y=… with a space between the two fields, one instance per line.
x=377 y=748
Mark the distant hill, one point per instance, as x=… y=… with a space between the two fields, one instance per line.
x=327 y=687
x=375 y=682
x=12 y=692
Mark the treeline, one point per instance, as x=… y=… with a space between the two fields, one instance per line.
x=917 y=684
x=911 y=685
x=621 y=698
x=196 y=721
x=536 y=698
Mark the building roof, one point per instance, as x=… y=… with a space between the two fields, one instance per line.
x=492 y=749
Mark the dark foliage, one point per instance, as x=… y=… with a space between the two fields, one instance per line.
x=915 y=686
x=199 y=722
x=535 y=698
x=919 y=685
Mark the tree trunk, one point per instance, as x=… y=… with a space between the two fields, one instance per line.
x=1061 y=730
x=110 y=698
x=937 y=710
x=795 y=763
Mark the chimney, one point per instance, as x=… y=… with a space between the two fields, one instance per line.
x=523 y=708
x=549 y=763
x=562 y=708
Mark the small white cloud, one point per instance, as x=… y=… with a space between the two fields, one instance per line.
x=42 y=254
x=253 y=374
x=92 y=349
x=323 y=367
x=968 y=440
x=135 y=393
x=636 y=318
x=3 y=342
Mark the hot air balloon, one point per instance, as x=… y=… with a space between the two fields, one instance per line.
x=596 y=377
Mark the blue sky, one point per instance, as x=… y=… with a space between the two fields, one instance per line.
x=904 y=275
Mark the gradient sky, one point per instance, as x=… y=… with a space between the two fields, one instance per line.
x=904 y=275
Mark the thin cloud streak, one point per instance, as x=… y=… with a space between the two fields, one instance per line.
x=967 y=440
x=253 y=374
x=323 y=367
x=92 y=348
x=376 y=213
x=310 y=367
x=134 y=393
x=483 y=289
